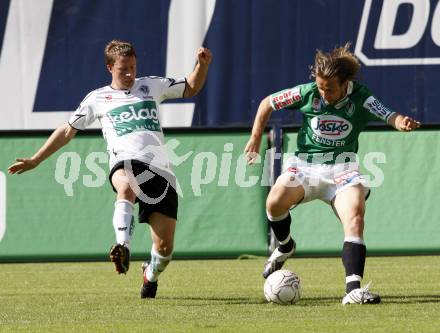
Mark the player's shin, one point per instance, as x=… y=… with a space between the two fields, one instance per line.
x=156 y=266
x=123 y=221
x=280 y=226
x=353 y=259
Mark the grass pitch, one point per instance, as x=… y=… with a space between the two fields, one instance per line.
x=217 y=296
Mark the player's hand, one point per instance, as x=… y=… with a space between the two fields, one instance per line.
x=22 y=165
x=408 y=124
x=251 y=150
x=204 y=56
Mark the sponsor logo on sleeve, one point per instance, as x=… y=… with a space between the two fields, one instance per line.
x=286 y=98
x=377 y=108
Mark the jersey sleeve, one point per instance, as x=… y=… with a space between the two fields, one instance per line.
x=376 y=110
x=172 y=88
x=84 y=115
x=286 y=99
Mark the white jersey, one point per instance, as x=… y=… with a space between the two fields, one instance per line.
x=129 y=118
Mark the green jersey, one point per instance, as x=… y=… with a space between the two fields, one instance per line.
x=329 y=130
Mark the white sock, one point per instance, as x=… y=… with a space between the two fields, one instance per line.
x=123 y=221
x=157 y=265
x=354 y=239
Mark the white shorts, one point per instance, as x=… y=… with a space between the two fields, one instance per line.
x=322 y=181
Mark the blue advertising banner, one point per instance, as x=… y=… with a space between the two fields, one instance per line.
x=52 y=53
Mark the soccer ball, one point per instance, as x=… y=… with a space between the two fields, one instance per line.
x=282 y=287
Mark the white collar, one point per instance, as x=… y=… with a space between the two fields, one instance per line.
x=344 y=100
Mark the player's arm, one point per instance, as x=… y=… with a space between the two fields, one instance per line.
x=403 y=123
x=379 y=111
x=263 y=114
x=196 y=80
x=59 y=138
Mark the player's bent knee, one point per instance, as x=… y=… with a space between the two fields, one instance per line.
x=280 y=200
x=271 y=203
x=125 y=192
x=275 y=195
x=288 y=180
x=274 y=207
x=122 y=186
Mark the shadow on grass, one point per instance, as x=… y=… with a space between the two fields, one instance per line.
x=400 y=299
x=386 y=299
x=217 y=300
x=319 y=301
x=307 y=301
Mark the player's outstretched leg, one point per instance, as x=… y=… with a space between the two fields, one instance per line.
x=281 y=228
x=151 y=271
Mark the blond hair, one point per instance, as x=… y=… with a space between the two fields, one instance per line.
x=339 y=62
x=116 y=48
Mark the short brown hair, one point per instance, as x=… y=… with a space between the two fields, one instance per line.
x=339 y=62
x=117 y=48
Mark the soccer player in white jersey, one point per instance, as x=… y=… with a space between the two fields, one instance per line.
x=335 y=109
x=128 y=112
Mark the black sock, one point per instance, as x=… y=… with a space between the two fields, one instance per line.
x=353 y=258
x=286 y=248
x=281 y=229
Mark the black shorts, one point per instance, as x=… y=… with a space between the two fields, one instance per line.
x=157 y=194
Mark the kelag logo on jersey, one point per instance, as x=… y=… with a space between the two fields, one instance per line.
x=135 y=117
x=331 y=127
x=399 y=32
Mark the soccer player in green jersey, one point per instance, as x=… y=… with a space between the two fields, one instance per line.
x=335 y=109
